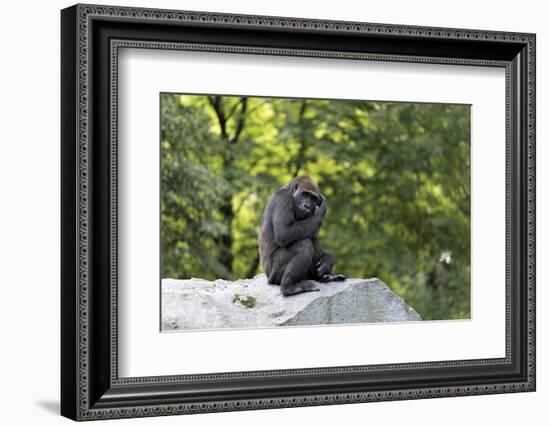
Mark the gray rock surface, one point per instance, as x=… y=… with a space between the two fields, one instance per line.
x=198 y=304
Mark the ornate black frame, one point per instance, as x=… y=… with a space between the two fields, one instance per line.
x=90 y=38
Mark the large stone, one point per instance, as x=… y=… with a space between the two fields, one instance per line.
x=198 y=304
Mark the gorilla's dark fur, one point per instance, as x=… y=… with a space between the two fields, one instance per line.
x=290 y=252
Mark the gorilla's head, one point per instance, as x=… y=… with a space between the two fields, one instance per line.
x=307 y=196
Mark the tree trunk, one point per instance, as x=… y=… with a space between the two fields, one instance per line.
x=253 y=266
x=226 y=254
x=226 y=209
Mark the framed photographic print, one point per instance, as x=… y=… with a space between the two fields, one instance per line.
x=263 y=212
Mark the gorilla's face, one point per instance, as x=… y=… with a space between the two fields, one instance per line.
x=305 y=203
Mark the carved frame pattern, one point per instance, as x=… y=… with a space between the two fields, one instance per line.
x=85 y=409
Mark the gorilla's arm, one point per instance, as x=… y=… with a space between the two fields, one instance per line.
x=323 y=260
x=323 y=263
x=286 y=229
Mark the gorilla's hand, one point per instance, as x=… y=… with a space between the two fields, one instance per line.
x=321 y=210
x=323 y=267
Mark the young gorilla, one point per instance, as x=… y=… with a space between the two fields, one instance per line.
x=290 y=251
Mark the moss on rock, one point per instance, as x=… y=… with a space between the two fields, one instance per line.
x=247 y=301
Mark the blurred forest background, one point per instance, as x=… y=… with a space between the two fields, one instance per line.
x=396 y=177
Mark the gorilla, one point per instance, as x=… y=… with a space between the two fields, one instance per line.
x=290 y=251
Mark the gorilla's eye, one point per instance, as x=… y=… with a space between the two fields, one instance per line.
x=295 y=188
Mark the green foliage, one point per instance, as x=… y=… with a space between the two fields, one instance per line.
x=396 y=177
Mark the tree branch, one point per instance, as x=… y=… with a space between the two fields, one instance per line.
x=300 y=159
x=216 y=103
x=240 y=121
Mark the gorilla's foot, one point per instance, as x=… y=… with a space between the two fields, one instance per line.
x=299 y=287
x=332 y=277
